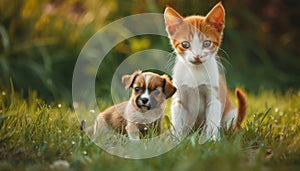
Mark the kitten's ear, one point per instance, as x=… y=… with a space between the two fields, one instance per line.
x=172 y=20
x=128 y=80
x=216 y=17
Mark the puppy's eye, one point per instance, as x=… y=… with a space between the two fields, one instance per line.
x=185 y=44
x=156 y=92
x=137 y=89
x=206 y=43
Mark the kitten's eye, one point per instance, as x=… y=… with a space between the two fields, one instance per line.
x=185 y=44
x=156 y=92
x=137 y=89
x=206 y=43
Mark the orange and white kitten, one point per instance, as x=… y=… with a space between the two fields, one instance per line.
x=202 y=96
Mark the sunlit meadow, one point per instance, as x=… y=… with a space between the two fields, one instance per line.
x=39 y=136
x=40 y=41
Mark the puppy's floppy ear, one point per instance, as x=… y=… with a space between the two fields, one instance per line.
x=169 y=89
x=128 y=80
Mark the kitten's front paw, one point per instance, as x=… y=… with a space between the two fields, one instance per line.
x=209 y=134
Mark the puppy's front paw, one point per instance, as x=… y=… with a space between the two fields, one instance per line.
x=132 y=131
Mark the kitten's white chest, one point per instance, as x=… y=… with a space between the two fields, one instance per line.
x=193 y=76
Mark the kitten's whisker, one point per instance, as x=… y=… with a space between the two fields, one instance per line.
x=171 y=61
x=224 y=60
x=220 y=65
x=226 y=54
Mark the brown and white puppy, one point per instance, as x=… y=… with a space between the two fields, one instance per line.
x=143 y=110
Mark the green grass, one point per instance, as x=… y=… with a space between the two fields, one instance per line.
x=34 y=134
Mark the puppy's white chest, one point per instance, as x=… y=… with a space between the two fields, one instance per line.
x=134 y=116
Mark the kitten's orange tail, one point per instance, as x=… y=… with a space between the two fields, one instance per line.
x=242 y=107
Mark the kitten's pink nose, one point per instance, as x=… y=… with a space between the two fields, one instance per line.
x=197 y=58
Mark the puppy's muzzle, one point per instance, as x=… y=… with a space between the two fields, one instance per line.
x=144 y=103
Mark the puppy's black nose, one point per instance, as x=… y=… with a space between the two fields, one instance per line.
x=144 y=100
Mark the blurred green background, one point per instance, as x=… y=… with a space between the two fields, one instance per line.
x=41 y=40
